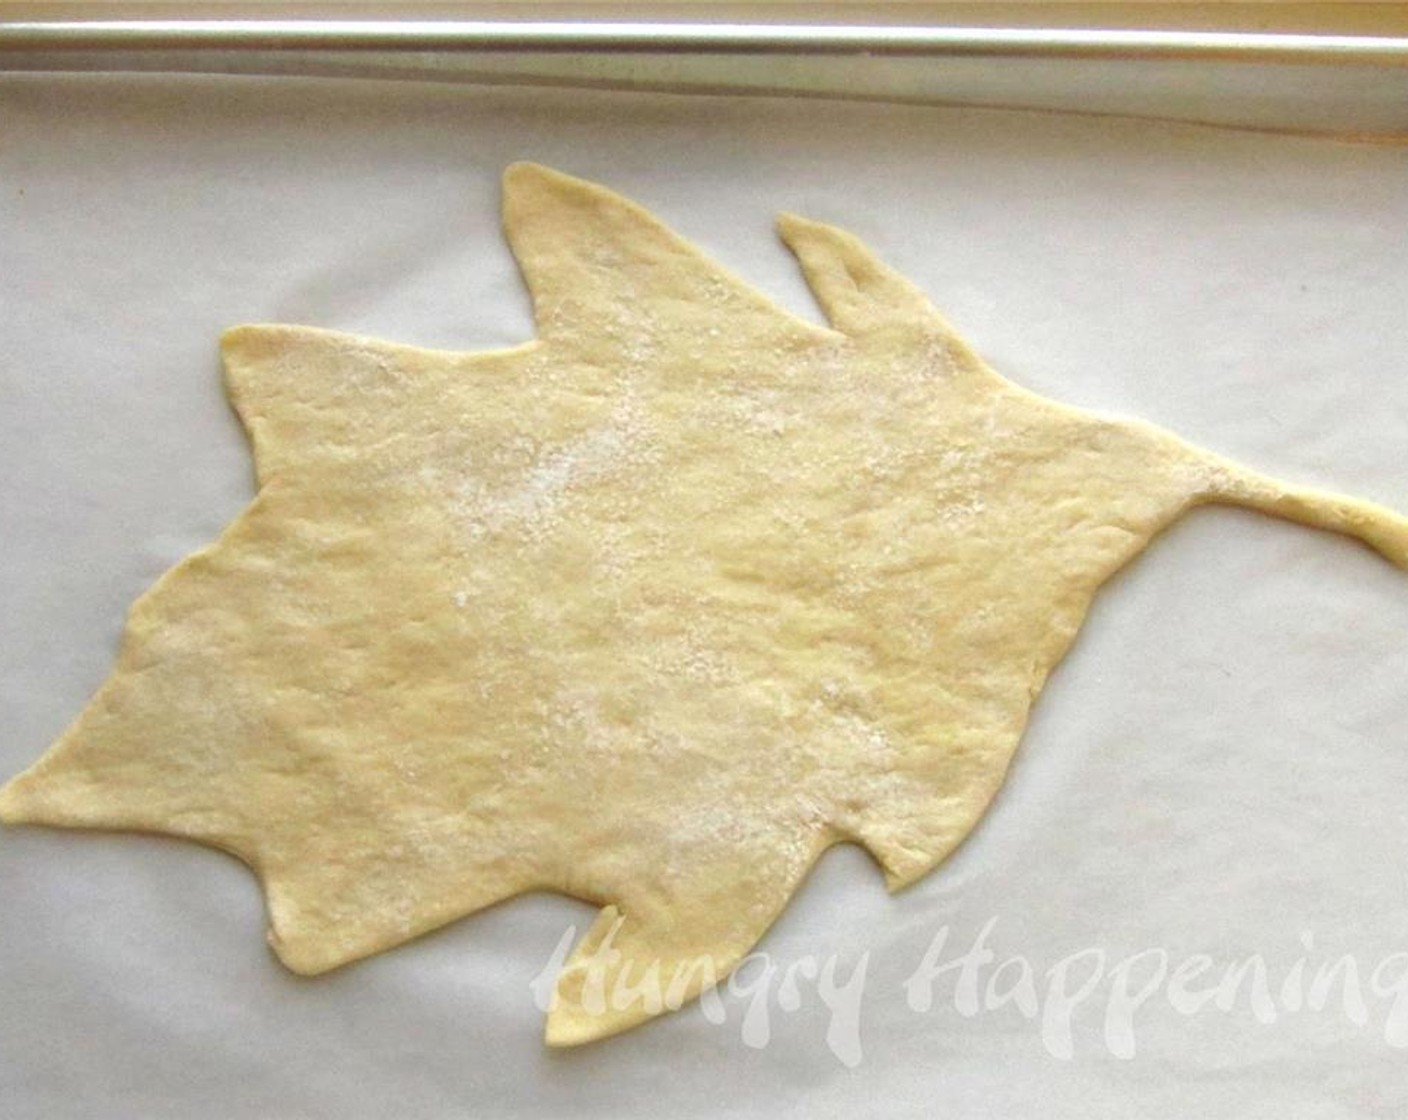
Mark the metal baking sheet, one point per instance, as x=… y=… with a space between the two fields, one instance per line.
x=1349 y=76
x=1216 y=772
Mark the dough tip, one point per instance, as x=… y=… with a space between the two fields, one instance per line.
x=14 y=806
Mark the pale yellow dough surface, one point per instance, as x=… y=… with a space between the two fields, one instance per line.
x=648 y=611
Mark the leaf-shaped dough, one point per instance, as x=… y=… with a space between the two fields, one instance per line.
x=649 y=611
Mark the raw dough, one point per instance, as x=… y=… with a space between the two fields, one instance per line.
x=649 y=611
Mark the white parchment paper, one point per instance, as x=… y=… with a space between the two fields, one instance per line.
x=1216 y=775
